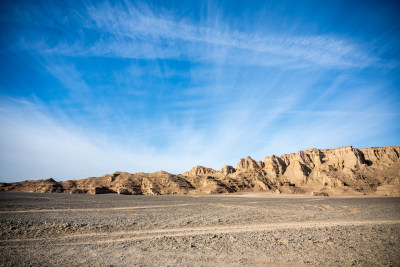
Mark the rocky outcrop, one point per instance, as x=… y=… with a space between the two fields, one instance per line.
x=248 y=164
x=227 y=169
x=199 y=171
x=339 y=171
x=274 y=166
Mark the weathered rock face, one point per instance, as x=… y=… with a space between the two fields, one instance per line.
x=227 y=170
x=248 y=164
x=199 y=171
x=344 y=170
x=274 y=166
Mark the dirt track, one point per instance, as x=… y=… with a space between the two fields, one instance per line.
x=58 y=229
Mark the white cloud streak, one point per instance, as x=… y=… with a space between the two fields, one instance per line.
x=130 y=24
x=46 y=147
x=129 y=31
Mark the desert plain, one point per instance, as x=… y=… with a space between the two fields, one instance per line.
x=247 y=229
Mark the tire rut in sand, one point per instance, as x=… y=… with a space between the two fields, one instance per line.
x=91 y=209
x=115 y=237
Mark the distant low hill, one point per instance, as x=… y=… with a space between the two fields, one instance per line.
x=339 y=171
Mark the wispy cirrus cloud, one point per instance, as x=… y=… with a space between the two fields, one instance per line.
x=127 y=23
x=127 y=30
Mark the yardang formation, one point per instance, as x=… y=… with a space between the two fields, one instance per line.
x=339 y=171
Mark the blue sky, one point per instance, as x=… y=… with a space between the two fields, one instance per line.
x=89 y=88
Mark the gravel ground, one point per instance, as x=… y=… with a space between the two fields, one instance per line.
x=252 y=229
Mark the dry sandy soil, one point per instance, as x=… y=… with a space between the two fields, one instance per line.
x=252 y=229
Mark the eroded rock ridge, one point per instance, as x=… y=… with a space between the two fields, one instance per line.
x=339 y=171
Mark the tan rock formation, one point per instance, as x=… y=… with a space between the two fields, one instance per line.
x=247 y=164
x=227 y=169
x=199 y=171
x=274 y=166
x=344 y=170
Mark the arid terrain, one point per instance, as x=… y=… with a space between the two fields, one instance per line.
x=260 y=229
x=339 y=171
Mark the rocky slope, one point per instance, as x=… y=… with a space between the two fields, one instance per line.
x=339 y=171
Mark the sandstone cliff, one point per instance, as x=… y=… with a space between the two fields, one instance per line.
x=339 y=171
